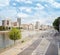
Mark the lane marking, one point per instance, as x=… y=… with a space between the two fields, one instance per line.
x=42 y=47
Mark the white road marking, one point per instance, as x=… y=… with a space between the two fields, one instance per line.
x=42 y=48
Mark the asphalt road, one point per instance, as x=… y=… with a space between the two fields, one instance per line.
x=31 y=48
x=52 y=50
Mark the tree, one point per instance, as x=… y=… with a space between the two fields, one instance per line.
x=15 y=34
x=2 y=28
x=56 y=23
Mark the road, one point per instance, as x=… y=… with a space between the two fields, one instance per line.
x=31 y=48
x=52 y=49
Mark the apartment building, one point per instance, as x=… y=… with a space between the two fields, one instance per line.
x=37 y=25
x=15 y=24
x=6 y=23
x=27 y=26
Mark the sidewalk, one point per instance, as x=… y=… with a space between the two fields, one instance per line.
x=18 y=48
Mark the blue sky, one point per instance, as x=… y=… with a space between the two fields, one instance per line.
x=30 y=11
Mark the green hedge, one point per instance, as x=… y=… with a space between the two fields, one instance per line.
x=4 y=28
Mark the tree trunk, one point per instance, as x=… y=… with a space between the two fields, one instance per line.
x=14 y=42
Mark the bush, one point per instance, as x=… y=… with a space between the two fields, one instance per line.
x=22 y=41
x=2 y=28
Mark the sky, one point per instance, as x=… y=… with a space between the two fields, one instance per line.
x=30 y=11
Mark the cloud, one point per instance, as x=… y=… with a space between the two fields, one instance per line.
x=50 y=1
x=22 y=15
x=27 y=9
x=34 y=10
x=39 y=7
x=4 y=3
x=20 y=0
x=46 y=21
x=14 y=4
x=8 y=12
x=29 y=2
x=25 y=1
x=46 y=5
x=53 y=3
x=44 y=17
x=56 y=4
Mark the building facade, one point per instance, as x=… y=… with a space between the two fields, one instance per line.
x=37 y=26
x=19 y=21
x=15 y=24
x=6 y=23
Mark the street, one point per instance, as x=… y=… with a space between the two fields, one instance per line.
x=30 y=49
x=51 y=50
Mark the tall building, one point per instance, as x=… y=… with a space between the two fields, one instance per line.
x=37 y=26
x=6 y=23
x=19 y=21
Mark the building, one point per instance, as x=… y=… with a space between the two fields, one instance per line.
x=27 y=26
x=45 y=27
x=31 y=27
x=6 y=23
x=37 y=26
x=24 y=26
x=15 y=24
x=19 y=21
